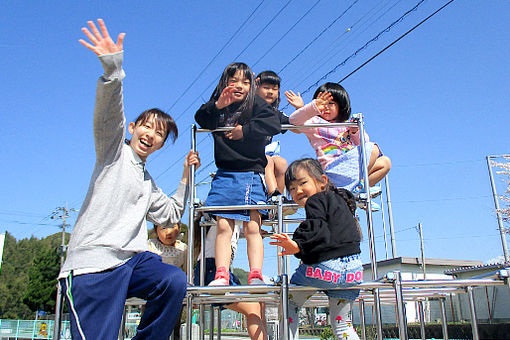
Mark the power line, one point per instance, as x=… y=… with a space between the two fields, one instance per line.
x=288 y=31
x=317 y=37
x=217 y=54
x=321 y=62
x=387 y=29
x=394 y=42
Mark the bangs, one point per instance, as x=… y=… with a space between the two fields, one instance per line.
x=163 y=121
x=268 y=77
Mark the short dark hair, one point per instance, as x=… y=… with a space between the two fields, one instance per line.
x=340 y=97
x=155 y=226
x=270 y=77
x=163 y=119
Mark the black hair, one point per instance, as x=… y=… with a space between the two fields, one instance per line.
x=162 y=119
x=155 y=226
x=310 y=165
x=340 y=97
x=314 y=170
x=270 y=77
x=244 y=109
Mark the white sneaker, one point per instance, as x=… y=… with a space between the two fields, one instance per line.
x=219 y=282
x=256 y=281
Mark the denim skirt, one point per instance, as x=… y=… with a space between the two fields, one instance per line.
x=236 y=188
x=346 y=171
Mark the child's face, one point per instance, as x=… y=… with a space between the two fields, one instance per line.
x=268 y=92
x=330 y=113
x=168 y=236
x=241 y=85
x=306 y=186
x=147 y=137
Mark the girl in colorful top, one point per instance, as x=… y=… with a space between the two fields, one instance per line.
x=336 y=147
x=268 y=88
x=240 y=159
x=166 y=245
x=328 y=244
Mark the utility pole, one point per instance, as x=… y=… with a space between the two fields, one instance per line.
x=422 y=251
x=496 y=204
x=60 y=213
x=427 y=306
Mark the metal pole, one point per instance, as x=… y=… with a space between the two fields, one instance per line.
x=390 y=217
x=384 y=229
x=280 y=225
x=202 y=283
x=498 y=214
x=191 y=206
x=362 y=318
x=444 y=322
x=218 y=309
x=401 y=309
x=472 y=312
x=191 y=186
x=211 y=323
x=370 y=224
x=58 y=308
x=285 y=306
x=422 y=319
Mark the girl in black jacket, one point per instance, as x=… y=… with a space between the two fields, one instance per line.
x=327 y=242
x=240 y=158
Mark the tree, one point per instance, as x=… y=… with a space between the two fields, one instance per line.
x=42 y=280
x=19 y=258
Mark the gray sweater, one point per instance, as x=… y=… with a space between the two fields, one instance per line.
x=111 y=226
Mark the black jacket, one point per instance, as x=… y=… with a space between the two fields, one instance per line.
x=246 y=154
x=330 y=229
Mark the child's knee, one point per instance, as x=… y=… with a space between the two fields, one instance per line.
x=280 y=164
x=223 y=226
x=385 y=162
x=252 y=228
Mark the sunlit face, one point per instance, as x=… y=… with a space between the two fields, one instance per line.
x=168 y=236
x=147 y=137
x=330 y=112
x=268 y=92
x=305 y=186
x=241 y=85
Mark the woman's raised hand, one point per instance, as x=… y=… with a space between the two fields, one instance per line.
x=101 y=41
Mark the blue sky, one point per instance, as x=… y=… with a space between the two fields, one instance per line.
x=436 y=102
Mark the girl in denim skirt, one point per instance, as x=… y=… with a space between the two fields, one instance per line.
x=240 y=159
x=327 y=242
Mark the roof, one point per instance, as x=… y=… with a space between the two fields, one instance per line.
x=417 y=261
x=477 y=267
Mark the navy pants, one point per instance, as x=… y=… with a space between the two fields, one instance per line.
x=96 y=301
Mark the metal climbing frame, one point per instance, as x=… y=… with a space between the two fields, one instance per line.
x=358 y=122
x=388 y=289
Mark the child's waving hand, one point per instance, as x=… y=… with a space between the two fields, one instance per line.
x=295 y=99
x=284 y=241
x=226 y=97
x=101 y=41
x=322 y=100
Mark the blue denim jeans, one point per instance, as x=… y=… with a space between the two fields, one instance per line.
x=336 y=273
